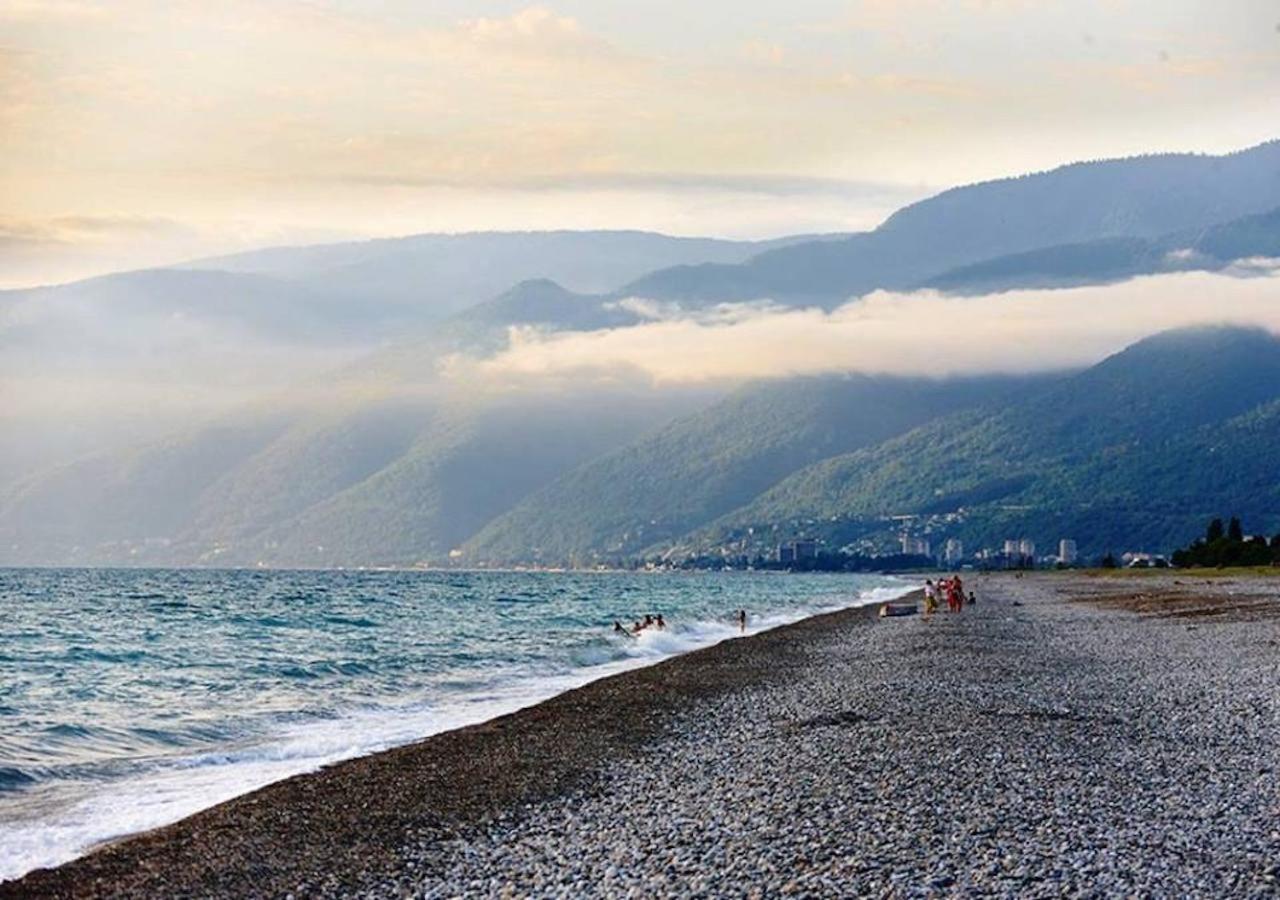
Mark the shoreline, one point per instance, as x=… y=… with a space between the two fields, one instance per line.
x=115 y=855
x=1068 y=735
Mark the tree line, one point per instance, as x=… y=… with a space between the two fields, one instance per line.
x=1226 y=545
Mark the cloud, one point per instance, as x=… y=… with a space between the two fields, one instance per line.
x=764 y=185
x=80 y=228
x=923 y=333
x=535 y=33
x=46 y=10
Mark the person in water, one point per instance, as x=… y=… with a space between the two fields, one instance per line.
x=742 y=621
x=662 y=625
x=648 y=621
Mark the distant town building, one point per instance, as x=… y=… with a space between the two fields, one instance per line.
x=915 y=546
x=952 y=551
x=1027 y=548
x=1142 y=560
x=1067 y=553
x=1012 y=549
x=805 y=548
x=792 y=551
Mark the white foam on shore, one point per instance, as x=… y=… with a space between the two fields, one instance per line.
x=177 y=788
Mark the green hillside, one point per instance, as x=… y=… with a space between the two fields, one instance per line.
x=467 y=465
x=701 y=466
x=111 y=506
x=1132 y=452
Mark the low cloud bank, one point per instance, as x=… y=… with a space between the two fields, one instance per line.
x=921 y=333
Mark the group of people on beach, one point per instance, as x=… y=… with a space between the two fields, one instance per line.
x=950 y=589
x=649 y=621
x=658 y=623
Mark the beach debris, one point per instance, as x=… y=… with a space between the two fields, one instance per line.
x=889 y=610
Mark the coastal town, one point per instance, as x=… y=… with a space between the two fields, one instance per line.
x=917 y=545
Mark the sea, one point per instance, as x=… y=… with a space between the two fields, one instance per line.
x=132 y=698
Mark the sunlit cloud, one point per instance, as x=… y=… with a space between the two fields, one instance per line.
x=380 y=117
x=921 y=333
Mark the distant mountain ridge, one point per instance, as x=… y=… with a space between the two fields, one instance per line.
x=394 y=469
x=303 y=310
x=432 y=276
x=1140 y=197
x=1116 y=259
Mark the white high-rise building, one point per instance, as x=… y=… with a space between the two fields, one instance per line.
x=1067 y=551
x=915 y=546
x=1012 y=549
x=1027 y=548
x=952 y=551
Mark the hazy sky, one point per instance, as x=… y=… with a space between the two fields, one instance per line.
x=134 y=132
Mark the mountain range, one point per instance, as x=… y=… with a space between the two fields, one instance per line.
x=1135 y=452
x=390 y=466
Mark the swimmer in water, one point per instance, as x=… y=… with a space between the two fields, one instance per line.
x=662 y=625
x=742 y=620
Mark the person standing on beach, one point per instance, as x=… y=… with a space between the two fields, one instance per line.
x=930 y=597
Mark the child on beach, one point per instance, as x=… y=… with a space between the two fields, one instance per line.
x=930 y=597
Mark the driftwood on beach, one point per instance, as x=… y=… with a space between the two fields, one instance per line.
x=891 y=610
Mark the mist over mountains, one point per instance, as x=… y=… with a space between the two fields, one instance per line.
x=486 y=399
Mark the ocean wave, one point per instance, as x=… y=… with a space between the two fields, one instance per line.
x=169 y=786
x=12 y=778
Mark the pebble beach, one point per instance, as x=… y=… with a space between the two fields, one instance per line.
x=1067 y=736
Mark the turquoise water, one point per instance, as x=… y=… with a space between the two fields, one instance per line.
x=131 y=698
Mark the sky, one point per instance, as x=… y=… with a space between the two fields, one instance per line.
x=142 y=132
